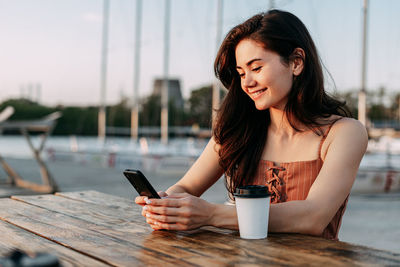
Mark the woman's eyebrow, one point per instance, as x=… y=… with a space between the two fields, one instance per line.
x=250 y=62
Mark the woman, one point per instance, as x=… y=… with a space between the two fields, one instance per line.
x=277 y=127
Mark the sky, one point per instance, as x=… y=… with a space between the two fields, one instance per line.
x=56 y=45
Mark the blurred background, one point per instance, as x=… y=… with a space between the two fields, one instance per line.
x=133 y=86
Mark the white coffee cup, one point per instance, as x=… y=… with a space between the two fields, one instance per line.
x=252 y=206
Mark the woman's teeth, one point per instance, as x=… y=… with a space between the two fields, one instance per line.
x=258 y=92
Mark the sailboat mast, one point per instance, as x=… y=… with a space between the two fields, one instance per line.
x=103 y=73
x=136 y=74
x=165 y=87
x=271 y=4
x=216 y=85
x=362 y=94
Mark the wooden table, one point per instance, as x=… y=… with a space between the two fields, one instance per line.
x=95 y=229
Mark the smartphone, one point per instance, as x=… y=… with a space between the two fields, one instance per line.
x=140 y=183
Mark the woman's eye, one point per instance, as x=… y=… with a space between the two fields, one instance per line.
x=241 y=75
x=256 y=69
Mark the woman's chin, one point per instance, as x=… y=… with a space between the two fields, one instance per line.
x=261 y=106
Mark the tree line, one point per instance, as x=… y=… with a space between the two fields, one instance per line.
x=77 y=120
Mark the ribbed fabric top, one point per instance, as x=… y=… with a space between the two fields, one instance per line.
x=289 y=181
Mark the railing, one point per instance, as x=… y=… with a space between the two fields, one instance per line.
x=156 y=131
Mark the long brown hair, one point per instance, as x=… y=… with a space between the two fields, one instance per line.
x=240 y=129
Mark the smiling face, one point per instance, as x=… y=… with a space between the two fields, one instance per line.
x=264 y=77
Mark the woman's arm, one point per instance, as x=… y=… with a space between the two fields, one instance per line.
x=183 y=209
x=203 y=173
x=345 y=147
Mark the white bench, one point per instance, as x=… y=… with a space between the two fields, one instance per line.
x=45 y=126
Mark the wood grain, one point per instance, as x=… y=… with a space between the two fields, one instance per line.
x=13 y=237
x=81 y=235
x=121 y=218
x=98 y=198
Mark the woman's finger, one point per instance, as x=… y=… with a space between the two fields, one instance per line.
x=157 y=225
x=163 y=210
x=162 y=194
x=141 y=200
x=173 y=226
x=144 y=212
x=167 y=202
x=153 y=224
x=167 y=218
x=178 y=195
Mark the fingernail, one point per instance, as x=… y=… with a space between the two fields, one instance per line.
x=147 y=214
x=147 y=201
x=145 y=208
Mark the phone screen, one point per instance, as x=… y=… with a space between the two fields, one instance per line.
x=140 y=183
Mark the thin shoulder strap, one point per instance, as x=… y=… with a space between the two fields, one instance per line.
x=324 y=137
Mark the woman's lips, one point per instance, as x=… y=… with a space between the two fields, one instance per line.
x=257 y=93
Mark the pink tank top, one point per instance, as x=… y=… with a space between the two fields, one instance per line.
x=292 y=181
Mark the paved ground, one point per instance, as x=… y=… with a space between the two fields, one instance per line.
x=72 y=176
x=369 y=220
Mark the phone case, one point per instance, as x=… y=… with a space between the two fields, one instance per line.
x=140 y=183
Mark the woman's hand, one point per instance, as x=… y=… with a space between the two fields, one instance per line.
x=141 y=200
x=178 y=211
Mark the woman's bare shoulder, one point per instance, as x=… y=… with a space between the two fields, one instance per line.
x=349 y=125
x=342 y=125
x=347 y=132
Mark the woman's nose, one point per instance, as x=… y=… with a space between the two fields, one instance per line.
x=248 y=81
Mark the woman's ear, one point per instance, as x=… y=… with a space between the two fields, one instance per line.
x=298 y=58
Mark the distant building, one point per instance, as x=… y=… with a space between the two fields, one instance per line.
x=174 y=92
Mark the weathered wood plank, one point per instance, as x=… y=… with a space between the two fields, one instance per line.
x=213 y=245
x=355 y=254
x=100 y=214
x=13 y=237
x=190 y=249
x=130 y=227
x=344 y=252
x=98 y=198
x=81 y=236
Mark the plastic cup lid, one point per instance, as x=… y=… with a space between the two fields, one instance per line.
x=252 y=191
